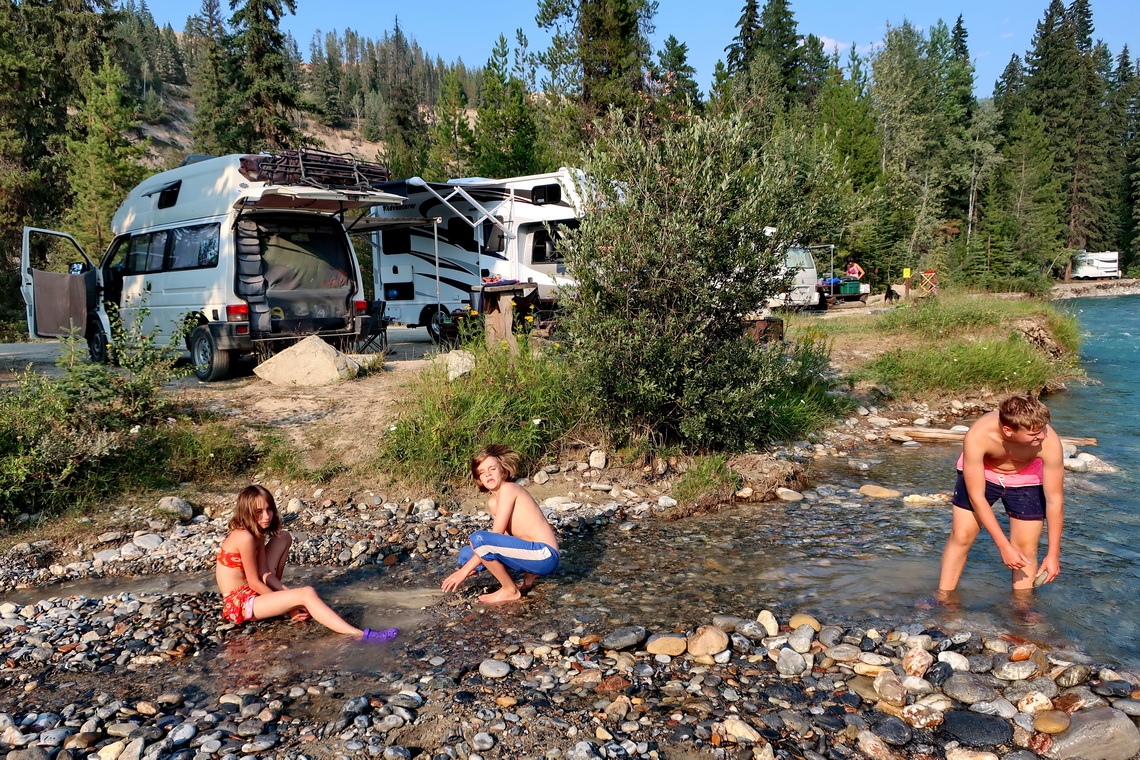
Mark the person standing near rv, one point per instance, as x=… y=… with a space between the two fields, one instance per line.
x=519 y=539
x=1012 y=454
x=854 y=270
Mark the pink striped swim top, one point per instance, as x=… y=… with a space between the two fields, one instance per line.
x=1033 y=474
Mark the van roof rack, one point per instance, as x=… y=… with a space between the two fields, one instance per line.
x=316 y=168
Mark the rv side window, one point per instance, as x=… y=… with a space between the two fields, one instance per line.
x=396 y=241
x=146 y=253
x=460 y=233
x=799 y=258
x=195 y=247
x=543 y=247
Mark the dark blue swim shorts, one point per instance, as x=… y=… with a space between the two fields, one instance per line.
x=1021 y=502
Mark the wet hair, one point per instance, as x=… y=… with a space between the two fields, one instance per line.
x=507 y=458
x=245 y=512
x=1023 y=413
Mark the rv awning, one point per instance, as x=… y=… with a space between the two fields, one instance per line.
x=373 y=223
x=315 y=199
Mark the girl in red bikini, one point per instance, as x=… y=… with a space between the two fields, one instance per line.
x=249 y=571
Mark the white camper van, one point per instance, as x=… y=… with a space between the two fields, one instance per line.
x=237 y=253
x=431 y=250
x=1096 y=266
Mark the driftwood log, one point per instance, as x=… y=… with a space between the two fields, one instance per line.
x=937 y=434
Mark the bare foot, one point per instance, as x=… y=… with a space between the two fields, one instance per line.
x=500 y=596
x=528 y=581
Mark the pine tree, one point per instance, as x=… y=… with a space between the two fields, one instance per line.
x=813 y=71
x=212 y=131
x=673 y=67
x=405 y=133
x=1009 y=92
x=506 y=134
x=778 y=39
x=844 y=111
x=745 y=43
x=267 y=95
x=452 y=138
x=102 y=164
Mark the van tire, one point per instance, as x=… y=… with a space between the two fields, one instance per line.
x=210 y=364
x=98 y=345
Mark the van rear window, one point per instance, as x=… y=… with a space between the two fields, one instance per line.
x=308 y=257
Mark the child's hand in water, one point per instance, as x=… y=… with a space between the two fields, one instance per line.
x=451 y=582
x=299 y=615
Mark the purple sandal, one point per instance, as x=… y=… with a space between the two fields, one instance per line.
x=379 y=637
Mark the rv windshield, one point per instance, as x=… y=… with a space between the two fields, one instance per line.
x=310 y=255
x=798 y=258
x=544 y=247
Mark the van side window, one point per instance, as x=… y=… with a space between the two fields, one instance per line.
x=195 y=247
x=146 y=253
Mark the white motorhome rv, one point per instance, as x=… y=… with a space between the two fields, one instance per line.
x=238 y=253
x=430 y=251
x=1095 y=266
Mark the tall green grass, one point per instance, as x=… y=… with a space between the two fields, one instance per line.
x=525 y=397
x=999 y=365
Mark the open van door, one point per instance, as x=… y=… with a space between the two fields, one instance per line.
x=57 y=303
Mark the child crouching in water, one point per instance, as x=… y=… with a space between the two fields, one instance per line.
x=520 y=537
x=249 y=571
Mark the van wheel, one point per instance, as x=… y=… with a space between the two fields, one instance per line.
x=210 y=364
x=434 y=320
x=98 y=346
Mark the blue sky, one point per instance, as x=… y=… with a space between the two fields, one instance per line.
x=997 y=28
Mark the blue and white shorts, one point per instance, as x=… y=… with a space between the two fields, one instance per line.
x=525 y=556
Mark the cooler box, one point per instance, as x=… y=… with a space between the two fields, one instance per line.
x=849 y=288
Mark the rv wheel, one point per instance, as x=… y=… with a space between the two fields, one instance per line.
x=434 y=320
x=210 y=364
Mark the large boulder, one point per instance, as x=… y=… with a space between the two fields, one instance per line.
x=309 y=362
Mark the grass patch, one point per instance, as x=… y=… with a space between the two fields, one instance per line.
x=707 y=483
x=525 y=397
x=278 y=455
x=998 y=365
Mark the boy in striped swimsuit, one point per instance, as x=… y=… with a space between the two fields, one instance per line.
x=520 y=537
x=1014 y=455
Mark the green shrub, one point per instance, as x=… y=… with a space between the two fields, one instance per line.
x=525 y=397
x=671 y=255
x=97 y=430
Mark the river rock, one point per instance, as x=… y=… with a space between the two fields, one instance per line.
x=673 y=645
x=1130 y=707
x=1101 y=733
x=494 y=669
x=790 y=662
x=147 y=541
x=309 y=362
x=976 y=730
x=801 y=638
x=1074 y=675
x=802 y=618
x=707 y=640
x=890 y=688
x=1015 y=671
x=752 y=630
x=624 y=638
x=917 y=661
x=878 y=492
x=181 y=509
x=968 y=688
x=787 y=494
x=768 y=620
x=922 y=715
x=1034 y=702
x=892 y=730
x=964 y=753
x=954 y=660
x=598 y=459
x=843 y=652
x=1051 y=721
x=874 y=747
x=739 y=731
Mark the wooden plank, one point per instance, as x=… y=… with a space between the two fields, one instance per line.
x=938 y=434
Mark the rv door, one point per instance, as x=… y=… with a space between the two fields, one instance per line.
x=58 y=303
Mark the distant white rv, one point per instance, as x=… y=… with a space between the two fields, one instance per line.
x=1096 y=266
x=239 y=253
x=448 y=237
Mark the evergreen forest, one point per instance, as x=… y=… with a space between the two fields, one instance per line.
x=993 y=192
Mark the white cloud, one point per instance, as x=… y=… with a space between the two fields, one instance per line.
x=833 y=46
